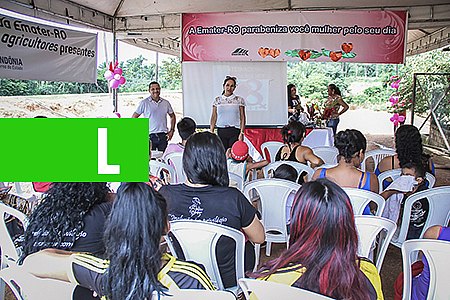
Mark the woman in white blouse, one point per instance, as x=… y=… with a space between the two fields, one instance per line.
x=228 y=114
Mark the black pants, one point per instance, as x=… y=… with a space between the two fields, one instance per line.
x=228 y=136
x=159 y=141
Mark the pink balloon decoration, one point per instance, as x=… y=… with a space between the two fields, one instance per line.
x=118 y=71
x=396 y=119
x=114 y=84
x=109 y=75
x=117 y=76
x=122 y=80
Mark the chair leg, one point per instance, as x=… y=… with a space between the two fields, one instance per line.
x=257 y=254
x=268 y=245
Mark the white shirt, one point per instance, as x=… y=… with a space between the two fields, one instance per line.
x=156 y=112
x=228 y=110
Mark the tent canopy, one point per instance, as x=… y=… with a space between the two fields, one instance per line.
x=155 y=25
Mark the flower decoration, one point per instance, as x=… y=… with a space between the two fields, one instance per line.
x=397 y=119
x=114 y=76
x=396 y=104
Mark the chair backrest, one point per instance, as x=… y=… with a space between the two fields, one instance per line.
x=198 y=241
x=7 y=248
x=183 y=294
x=269 y=150
x=360 y=198
x=395 y=173
x=158 y=169
x=236 y=180
x=175 y=159
x=376 y=155
x=373 y=229
x=327 y=154
x=298 y=166
x=267 y=290
x=437 y=254
x=29 y=287
x=439 y=207
x=273 y=195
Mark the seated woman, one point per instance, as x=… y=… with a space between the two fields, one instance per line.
x=351 y=145
x=206 y=196
x=323 y=243
x=293 y=134
x=71 y=216
x=134 y=266
x=408 y=148
x=240 y=162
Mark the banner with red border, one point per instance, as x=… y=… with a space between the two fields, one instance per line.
x=323 y=36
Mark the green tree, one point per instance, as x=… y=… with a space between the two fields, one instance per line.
x=170 y=74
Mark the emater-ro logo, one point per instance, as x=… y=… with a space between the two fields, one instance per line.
x=240 y=51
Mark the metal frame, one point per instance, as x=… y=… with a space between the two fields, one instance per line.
x=431 y=114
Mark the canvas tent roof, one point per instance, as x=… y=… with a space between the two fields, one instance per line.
x=155 y=25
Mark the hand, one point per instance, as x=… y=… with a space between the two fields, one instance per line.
x=241 y=136
x=170 y=135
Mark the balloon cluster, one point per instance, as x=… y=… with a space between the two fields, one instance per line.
x=396 y=104
x=114 y=76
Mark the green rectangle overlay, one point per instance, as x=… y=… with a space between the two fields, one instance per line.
x=67 y=150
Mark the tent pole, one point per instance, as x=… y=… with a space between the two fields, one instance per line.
x=115 y=56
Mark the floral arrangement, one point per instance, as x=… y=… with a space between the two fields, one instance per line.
x=334 y=55
x=396 y=105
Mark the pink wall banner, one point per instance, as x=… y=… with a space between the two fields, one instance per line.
x=324 y=36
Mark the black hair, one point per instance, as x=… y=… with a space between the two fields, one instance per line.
x=225 y=81
x=293 y=132
x=40 y=117
x=204 y=160
x=408 y=145
x=418 y=168
x=186 y=127
x=337 y=91
x=289 y=87
x=349 y=143
x=287 y=172
x=153 y=82
x=132 y=238
x=61 y=211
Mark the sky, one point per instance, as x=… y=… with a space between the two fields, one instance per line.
x=125 y=51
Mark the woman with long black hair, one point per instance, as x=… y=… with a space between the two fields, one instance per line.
x=323 y=243
x=135 y=267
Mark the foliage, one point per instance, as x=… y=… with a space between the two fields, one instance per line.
x=170 y=74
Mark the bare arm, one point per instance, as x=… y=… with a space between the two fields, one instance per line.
x=309 y=156
x=374 y=187
x=135 y=115
x=255 y=231
x=242 y=122
x=173 y=120
x=212 y=123
x=344 y=106
x=49 y=263
x=256 y=165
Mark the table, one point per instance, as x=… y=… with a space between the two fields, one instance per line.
x=319 y=137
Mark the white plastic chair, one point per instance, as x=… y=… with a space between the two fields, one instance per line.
x=8 y=250
x=156 y=167
x=183 y=294
x=267 y=290
x=395 y=173
x=437 y=254
x=175 y=159
x=20 y=193
x=28 y=287
x=376 y=155
x=439 y=208
x=373 y=229
x=360 y=198
x=236 y=180
x=327 y=154
x=272 y=148
x=198 y=241
x=298 y=166
x=273 y=195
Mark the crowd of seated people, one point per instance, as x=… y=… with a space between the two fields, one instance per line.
x=120 y=234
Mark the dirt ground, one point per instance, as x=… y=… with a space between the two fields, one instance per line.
x=375 y=125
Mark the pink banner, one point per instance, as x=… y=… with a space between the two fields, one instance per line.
x=344 y=36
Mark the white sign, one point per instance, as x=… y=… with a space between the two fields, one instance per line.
x=35 y=51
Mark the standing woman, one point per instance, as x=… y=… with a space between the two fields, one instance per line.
x=293 y=99
x=228 y=114
x=333 y=107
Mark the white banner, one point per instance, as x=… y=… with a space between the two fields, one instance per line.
x=34 y=51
